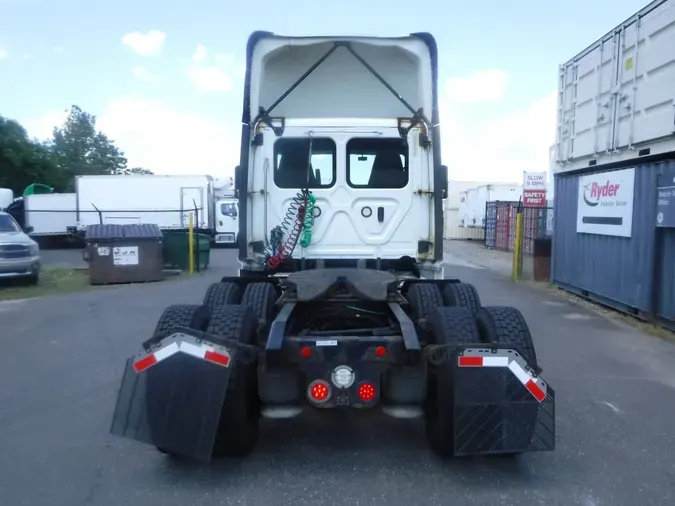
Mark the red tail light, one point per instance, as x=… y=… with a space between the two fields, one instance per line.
x=366 y=392
x=380 y=351
x=319 y=391
x=306 y=351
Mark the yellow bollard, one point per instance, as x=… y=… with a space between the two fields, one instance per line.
x=191 y=246
x=517 y=251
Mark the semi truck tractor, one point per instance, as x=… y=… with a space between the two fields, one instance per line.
x=341 y=301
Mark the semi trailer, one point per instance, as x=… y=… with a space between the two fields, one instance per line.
x=341 y=300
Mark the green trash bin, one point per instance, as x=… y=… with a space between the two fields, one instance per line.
x=176 y=250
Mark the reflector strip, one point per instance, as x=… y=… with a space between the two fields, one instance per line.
x=528 y=380
x=535 y=390
x=167 y=351
x=203 y=351
x=217 y=358
x=519 y=372
x=470 y=361
x=473 y=361
x=144 y=363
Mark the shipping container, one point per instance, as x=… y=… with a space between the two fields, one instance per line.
x=616 y=99
x=610 y=256
x=454 y=231
x=51 y=214
x=167 y=201
x=472 y=208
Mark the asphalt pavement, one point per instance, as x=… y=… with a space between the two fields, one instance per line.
x=62 y=359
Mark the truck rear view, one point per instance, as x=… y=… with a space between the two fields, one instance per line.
x=340 y=301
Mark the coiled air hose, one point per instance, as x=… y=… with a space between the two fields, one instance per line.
x=306 y=237
x=296 y=226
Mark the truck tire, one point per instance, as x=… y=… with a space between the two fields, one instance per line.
x=261 y=297
x=462 y=295
x=423 y=298
x=179 y=315
x=238 y=428
x=220 y=294
x=447 y=326
x=506 y=325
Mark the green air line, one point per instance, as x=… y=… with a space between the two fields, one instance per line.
x=306 y=237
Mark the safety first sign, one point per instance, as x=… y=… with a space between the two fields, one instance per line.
x=534 y=189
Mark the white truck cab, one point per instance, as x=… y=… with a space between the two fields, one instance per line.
x=227 y=221
x=353 y=121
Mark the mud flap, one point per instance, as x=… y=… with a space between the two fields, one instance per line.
x=500 y=406
x=172 y=397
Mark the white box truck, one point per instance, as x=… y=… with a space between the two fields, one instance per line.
x=51 y=214
x=167 y=201
x=616 y=99
x=463 y=218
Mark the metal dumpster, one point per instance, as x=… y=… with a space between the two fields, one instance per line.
x=124 y=253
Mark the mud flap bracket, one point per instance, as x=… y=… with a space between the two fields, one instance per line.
x=172 y=396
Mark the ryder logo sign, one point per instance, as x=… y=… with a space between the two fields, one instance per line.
x=594 y=192
x=605 y=204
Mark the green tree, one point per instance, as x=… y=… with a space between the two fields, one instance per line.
x=79 y=149
x=22 y=160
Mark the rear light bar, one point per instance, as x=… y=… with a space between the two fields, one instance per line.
x=487 y=358
x=215 y=355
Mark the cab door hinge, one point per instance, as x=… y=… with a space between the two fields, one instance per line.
x=422 y=192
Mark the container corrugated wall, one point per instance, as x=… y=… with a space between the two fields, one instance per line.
x=454 y=231
x=614 y=270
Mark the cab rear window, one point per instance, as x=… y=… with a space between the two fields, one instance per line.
x=377 y=163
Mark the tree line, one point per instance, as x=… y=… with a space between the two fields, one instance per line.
x=76 y=148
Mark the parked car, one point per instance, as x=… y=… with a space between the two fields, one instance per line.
x=19 y=254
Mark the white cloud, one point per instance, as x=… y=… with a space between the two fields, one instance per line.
x=211 y=79
x=167 y=141
x=481 y=86
x=160 y=138
x=498 y=149
x=143 y=74
x=148 y=44
x=43 y=127
x=215 y=77
x=200 y=53
x=224 y=59
x=3 y=53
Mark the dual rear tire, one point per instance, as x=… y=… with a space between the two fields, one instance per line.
x=230 y=314
x=453 y=326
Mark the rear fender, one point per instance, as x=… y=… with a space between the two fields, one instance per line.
x=172 y=396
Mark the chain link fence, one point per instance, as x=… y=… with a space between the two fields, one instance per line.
x=59 y=222
x=532 y=250
x=66 y=228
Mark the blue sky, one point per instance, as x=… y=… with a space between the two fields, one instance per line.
x=175 y=113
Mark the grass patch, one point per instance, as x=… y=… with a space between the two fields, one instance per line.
x=52 y=280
